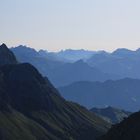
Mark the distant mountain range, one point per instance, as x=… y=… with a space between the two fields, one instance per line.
x=111 y=114
x=69 y=55
x=75 y=55
x=32 y=109
x=119 y=64
x=122 y=62
x=124 y=93
x=60 y=72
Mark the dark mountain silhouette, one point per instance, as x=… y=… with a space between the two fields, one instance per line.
x=122 y=62
x=128 y=129
x=6 y=56
x=122 y=93
x=111 y=114
x=32 y=109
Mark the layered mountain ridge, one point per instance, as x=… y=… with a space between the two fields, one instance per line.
x=61 y=72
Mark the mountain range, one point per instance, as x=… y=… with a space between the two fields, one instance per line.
x=32 y=109
x=121 y=62
x=60 y=72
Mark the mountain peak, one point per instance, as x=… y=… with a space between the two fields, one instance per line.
x=122 y=52
x=6 y=56
x=3 y=46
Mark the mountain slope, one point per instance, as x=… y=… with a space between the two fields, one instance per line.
x=29 y=93
x=32 y=109
x=122 y=93
x=129 y=129
x=113 y=115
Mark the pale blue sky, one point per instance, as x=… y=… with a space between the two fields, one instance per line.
x=61 y=24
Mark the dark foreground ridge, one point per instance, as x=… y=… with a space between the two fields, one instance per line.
x=111 y=114
x=32 y=109
x=129 y=129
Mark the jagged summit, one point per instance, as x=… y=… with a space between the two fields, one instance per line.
x=6 y=56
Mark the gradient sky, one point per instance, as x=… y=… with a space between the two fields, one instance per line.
x=61 y=24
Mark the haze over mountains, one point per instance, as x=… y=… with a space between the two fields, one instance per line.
x=61 y=72
x=121 y=63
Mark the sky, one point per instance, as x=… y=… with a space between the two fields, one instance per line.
x=77 y=24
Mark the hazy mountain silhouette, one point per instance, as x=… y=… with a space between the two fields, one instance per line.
x=59 y=72
x=111 y=114
x=52 y=56
x=77 y=71
x=122 y=93
x=32 y=109
x=128 y=129
x=75 y=55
